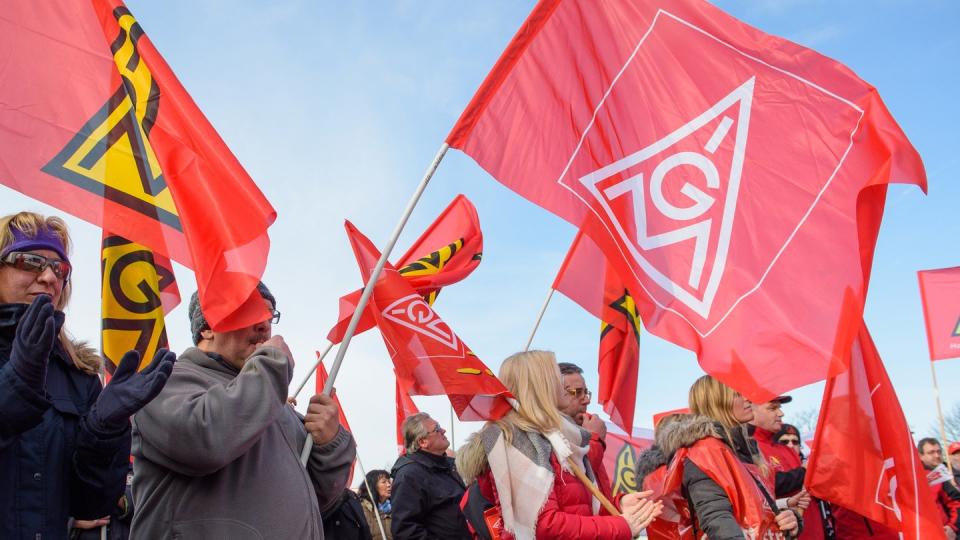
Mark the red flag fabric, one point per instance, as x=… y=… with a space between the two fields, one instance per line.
x=863 y=456
x=661 y=415
x=940 y=295
x=618 y=361
x=717 y=168
x=620 y=457
x=127 y=148
x=428 y=357
x=405 y=407
x=321 y=382
x=448 y=251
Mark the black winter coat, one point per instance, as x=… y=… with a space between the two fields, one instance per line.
x=53 y=466
x=426 y=499
x=346 y=520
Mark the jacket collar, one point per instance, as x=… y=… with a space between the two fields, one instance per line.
x=209 y=360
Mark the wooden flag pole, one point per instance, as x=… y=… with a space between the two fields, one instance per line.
x=536 y=325
x=312 y=370
x=943 y=429
x=604 y=501
x=368 y=287
x=373 y=496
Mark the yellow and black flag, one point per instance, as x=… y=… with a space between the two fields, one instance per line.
x=138 y=288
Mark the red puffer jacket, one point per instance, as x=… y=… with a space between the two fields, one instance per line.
x=568 y=513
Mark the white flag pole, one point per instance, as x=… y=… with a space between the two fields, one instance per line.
x=311 y=371
x=368 y=288
x=539 y=318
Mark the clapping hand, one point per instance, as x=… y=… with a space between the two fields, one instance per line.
x=129 y=391
x=33 y=341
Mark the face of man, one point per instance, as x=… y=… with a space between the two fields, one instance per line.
x=21 y=286
x=768 y=416
x=931 y=455
x=236 y=346
x=574 y=398
x=436 y=440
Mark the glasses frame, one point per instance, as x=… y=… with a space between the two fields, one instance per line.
x=790 y=442
x=579 y=393
x=10 y=259
x=274 y=316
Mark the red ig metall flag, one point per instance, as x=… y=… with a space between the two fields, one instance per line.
x=735 y=180
x=428 y=357
x=95 y=123
x=863 y=457
x=940 y=295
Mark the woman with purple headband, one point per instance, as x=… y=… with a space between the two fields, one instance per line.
x=64 y=439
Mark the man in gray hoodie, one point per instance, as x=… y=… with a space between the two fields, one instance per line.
x=216 y=454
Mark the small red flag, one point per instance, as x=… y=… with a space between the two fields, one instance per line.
x=127 y=148
x=448 y=251
x=428 y=357
x=405 y=407
x=940 y=295
x=863 y=456
x=620 y=457
x=722 y=172
x=321 y=382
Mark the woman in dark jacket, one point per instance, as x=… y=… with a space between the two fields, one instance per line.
x=64 y=443
x=716 y=475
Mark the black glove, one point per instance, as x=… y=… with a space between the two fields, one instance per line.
x=33 y=342
x=129 y=391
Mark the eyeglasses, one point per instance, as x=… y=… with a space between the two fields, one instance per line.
x=579 y=393
x=31 y=262
x=436 y=429
x=790 y=442
x=274 y=316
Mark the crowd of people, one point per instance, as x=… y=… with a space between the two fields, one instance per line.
x=215 y=446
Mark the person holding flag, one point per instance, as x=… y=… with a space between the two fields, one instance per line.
x=524 y=464
x=64 y=438
x=217 y=452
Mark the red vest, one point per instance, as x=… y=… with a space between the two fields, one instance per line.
x=737 y=479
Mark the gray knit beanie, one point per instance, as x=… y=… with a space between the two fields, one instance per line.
x=198 y=322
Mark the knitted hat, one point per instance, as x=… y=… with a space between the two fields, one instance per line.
x=198 y=322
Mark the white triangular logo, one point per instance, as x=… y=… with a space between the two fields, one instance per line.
x=682 y=223
x=414 y=313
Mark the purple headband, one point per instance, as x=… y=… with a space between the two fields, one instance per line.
x=45 y=239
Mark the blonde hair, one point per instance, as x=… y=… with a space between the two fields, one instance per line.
x=534 y=380
x=710 y=397
x=30 y=224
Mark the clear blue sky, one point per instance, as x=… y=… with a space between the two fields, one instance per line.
x=336 y=108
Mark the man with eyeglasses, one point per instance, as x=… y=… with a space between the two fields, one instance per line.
x=426 y=489
x=217 y=452
x=573 y=403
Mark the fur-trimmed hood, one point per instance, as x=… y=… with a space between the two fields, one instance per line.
x=471 y=458
x=687 y=430
x=648 y=461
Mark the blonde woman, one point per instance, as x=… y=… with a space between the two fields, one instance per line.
x=519 y=464
x=64 y=441
x=717 y=479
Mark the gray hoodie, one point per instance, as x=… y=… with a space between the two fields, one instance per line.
x=217 y=455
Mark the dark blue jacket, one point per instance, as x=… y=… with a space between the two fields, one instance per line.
x=52 y=466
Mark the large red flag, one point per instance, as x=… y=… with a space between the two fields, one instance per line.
x=863 y=456
x=618 y=360
x=126 y=148
x=428 y=357
x=448 y=251
x=405 y=407
x=940 y=294
x=722 y=172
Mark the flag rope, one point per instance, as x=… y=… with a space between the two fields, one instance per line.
x=374 y=275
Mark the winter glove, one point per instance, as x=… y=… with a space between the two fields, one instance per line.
x=33 y=342
x=129 y=391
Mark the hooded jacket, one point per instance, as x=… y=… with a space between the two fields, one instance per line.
x=696 y=446
x=426 y=497
x=54 y=466
x=218 y=455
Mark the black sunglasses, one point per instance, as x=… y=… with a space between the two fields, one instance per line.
x=31 y=262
